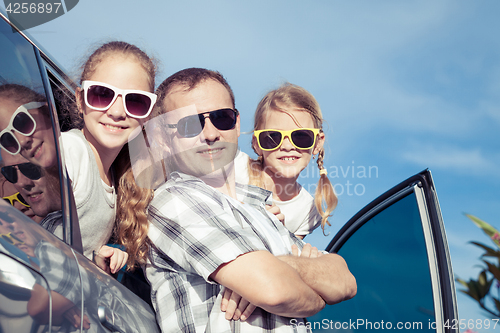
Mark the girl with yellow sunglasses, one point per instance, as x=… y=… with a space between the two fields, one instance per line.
x=287 y=134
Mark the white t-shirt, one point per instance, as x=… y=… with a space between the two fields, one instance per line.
x=95 y=200
x=301 y=215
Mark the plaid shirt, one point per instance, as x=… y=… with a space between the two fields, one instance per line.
x=60 y=271
x=194 y=229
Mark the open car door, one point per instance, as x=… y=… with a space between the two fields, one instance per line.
x=397 y=250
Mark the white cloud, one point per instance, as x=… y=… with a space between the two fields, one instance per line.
x=453 y=158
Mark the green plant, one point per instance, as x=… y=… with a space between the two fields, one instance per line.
x=480 y=289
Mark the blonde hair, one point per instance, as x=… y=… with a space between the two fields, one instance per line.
x=131 y=224
x=290 y=96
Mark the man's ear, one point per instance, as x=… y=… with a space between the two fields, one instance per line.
x=238 y=124
x=320 y=141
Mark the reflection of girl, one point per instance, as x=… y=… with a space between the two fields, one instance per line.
x=288 y=132
x=116 y=95
x=26 y=126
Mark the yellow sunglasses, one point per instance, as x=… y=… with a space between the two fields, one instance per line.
x=11 y=238
x=16 y=197
x=301 y=138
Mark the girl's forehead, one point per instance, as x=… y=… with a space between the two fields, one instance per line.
x=285 y=118
x=7 y=108
x=122 y=72
x=116 y=60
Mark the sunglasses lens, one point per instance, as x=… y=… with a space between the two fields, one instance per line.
x=30 y=170
x=224 y=119
x=23 y=123
x=191 y=126
x=21 y=199
x=137 y=104
x=270 y=139
x=303 y=138
x=8 y=142
x=10 y=173
x=100 y=97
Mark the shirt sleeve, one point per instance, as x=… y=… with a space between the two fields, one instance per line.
x=77 y=166
x=198 y=232
x=60 y=271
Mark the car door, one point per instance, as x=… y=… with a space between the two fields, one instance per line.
x=397 y=250
x=46 y=284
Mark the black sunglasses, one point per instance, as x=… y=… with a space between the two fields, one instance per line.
x=30 y=170
x=191 y=126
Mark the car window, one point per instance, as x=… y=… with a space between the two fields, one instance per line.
x=391 y=252
x=29 y=177
x=64 y=99
x=18 y=63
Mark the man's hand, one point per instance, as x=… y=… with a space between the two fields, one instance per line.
x=235 y=306
x=326 y=274
x=308 y=251
x=73 y=316
x=268 y=283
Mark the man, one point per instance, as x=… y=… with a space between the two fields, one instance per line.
x=10 y=193
x=38 y=186
x=208 y=233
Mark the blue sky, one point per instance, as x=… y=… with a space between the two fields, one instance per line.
x=403 y=85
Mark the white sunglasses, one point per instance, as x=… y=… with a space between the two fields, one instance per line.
x=23 y=123
x=100 y=96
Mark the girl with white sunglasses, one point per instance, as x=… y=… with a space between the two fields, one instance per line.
x=25 y=125
x=287 y=134
x=116 y=94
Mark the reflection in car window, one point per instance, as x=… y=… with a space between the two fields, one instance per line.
x=388 y=257
x=27 y=146
x=18 y=64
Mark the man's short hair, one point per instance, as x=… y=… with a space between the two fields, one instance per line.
x=189 y=78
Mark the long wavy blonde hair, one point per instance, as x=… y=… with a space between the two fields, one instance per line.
x=290 y=96
x=131 y=227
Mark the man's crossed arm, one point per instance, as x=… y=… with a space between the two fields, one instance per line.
x=290 y=286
